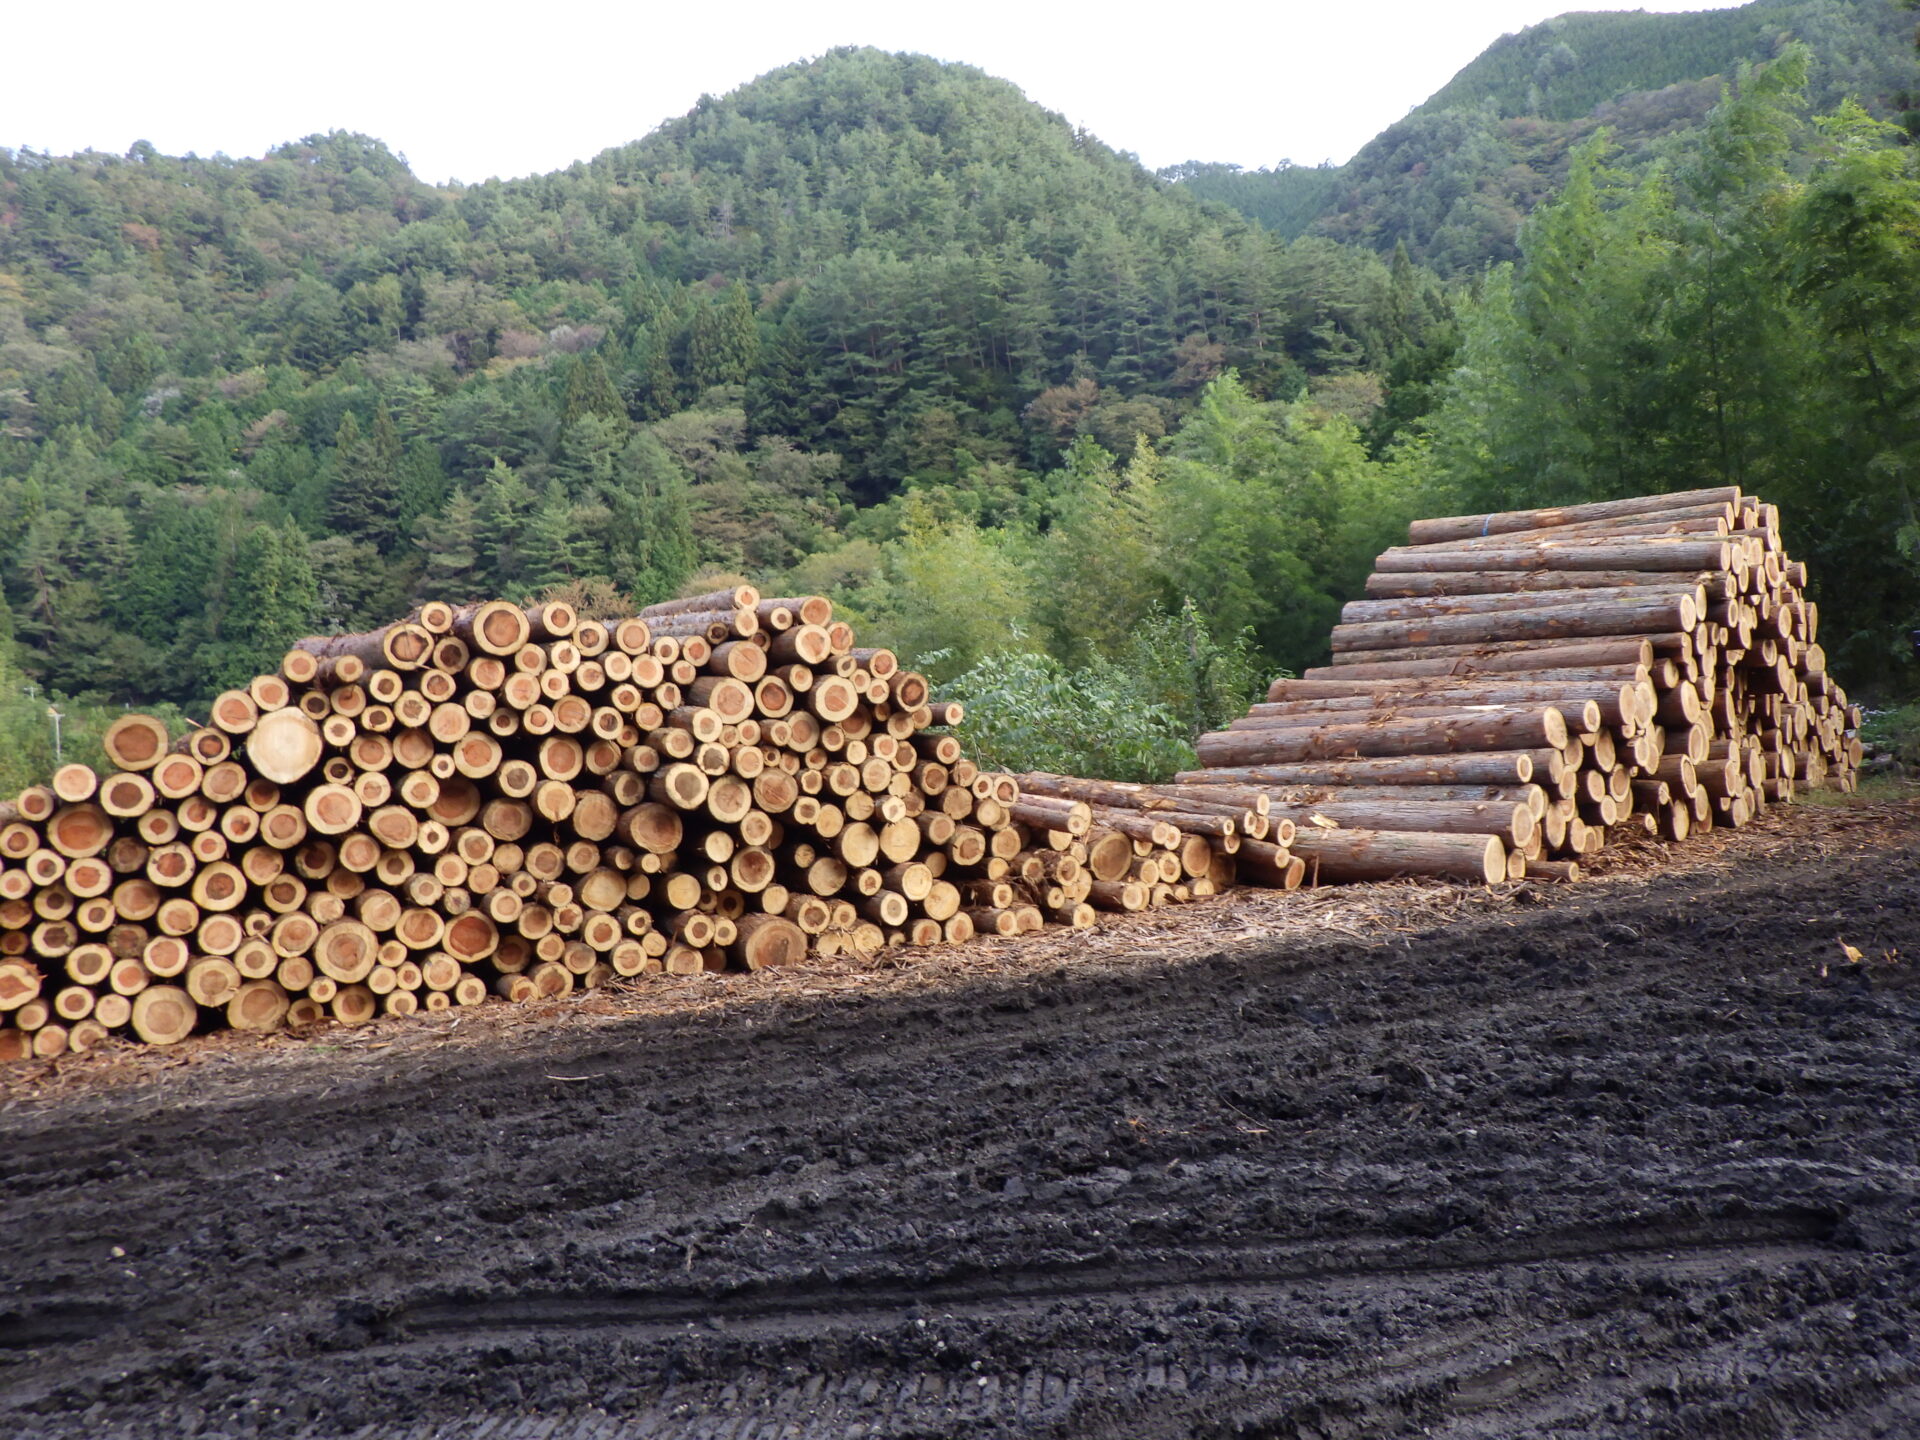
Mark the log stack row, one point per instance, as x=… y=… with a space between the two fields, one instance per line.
x=1515 y=687
x=497 y=800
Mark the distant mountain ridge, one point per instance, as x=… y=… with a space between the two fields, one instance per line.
x=1454 y=179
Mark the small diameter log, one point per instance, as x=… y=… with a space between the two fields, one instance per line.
x=1601 y=617
x=1468 y=527
x=1343 y=855
x=1494 y=767
x=1514 y=823
x=1687 y=555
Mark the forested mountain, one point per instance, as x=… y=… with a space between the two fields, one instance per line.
x=1453 y=180
x=241 y=398
x=878 y=326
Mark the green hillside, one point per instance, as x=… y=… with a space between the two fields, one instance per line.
x=1453 y=180
x=240 y=399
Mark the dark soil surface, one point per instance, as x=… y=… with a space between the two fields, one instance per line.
x=1640 y=1158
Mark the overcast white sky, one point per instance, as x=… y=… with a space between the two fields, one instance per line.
x=478 y=89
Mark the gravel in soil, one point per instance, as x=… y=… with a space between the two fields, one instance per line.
x=1640 y=1157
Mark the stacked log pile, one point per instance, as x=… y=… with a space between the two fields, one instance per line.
x=1515 y=687
x=497 y=801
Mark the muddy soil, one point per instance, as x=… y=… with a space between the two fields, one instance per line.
x=1640 y=1160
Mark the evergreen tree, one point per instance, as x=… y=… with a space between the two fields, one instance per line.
x=649 y=384
x=590 y=392
x=271 y=600
x=550 y=549
x=650 y=540
x=505 y=508
x=450 y=541
x=724 y=342
x=364 y=501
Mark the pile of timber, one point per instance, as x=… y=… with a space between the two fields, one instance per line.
x=492 y=800
x=1518 y=686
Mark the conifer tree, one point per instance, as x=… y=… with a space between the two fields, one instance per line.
x=725 y=341
x=364 y=501
x=450 y=541
x=590 y=392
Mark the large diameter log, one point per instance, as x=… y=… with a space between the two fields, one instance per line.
x=400 y=646
x=493 y=626
x=1521 y=729
x=1344 y=855
x=1686 y=555
x=136 y=742
x=284 y=746
x=765 y=942
x=1611 y=617
x=1467 y=527
x=164 y=1015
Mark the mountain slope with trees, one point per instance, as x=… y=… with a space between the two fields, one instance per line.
x=243 y=398
x=1454 y=179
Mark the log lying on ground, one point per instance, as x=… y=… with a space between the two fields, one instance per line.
x=491 y=799
x=1671 y=631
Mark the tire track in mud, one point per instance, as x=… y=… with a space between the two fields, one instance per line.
x=1785 y=1238
x=1455 y=1182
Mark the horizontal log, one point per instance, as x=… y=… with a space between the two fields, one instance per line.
x=1406 y=585
x=1619 y=704
x=1529 y=728
x=1284 y=798
x=1670 y=643
x=1692 y=524
x=1349 y=855
x=1547 y=622
x=1358 y=612
x=1514 y=822
x=1685 y=555
x=1496 y=767
x=1463 y=527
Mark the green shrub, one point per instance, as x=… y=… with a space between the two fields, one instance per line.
x=1133 y=717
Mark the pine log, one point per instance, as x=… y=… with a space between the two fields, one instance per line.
x=1432 y=607
x=1529 y=728
x=493 y=626
x=1513 y=822
x=163 y=1015
x=765 y=942
x=400 y=646
x=136 y=742
x=1669 y=643
x=1348 y=855
x=1464 y=527
x=1686 y=555
x=284 y=746
x=1609 y=617
x=1407 y=585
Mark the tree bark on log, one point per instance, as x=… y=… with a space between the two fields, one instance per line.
x=1525 y=729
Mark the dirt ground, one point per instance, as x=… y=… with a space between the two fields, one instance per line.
x=1635 y=1157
